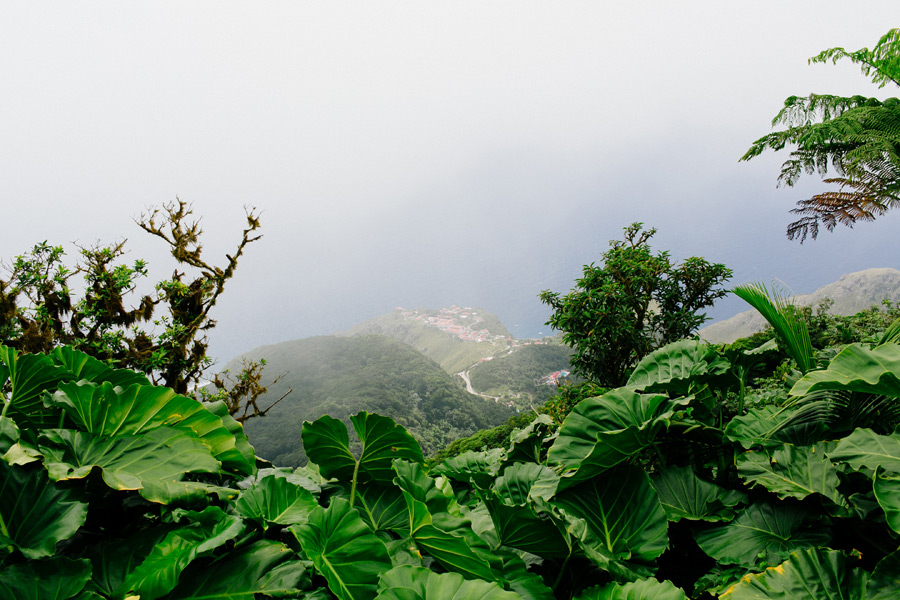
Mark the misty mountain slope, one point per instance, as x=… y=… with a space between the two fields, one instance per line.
x=420 y=329
x=851 y=293
x=341 y=376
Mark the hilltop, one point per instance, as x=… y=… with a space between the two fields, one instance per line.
x=454 y=337
x=851 y=293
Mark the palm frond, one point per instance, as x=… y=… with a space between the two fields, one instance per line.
x=789 y=325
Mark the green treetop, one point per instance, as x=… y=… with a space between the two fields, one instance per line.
x=635 y=302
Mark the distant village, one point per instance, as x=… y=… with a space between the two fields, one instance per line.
x=461 y=322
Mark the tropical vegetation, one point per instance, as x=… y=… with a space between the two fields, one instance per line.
x=856 y=137
x=40 y=308
x=675 y=485
x=633 y=303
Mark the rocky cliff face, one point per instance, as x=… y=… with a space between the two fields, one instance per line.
x=851 y=293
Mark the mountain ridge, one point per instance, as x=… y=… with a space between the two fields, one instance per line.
x=851 y=293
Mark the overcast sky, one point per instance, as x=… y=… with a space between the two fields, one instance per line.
x=421 y=153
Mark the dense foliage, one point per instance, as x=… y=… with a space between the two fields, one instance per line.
x=43 y=306
x=857 y=137
x=633 y=303
x=664 y=488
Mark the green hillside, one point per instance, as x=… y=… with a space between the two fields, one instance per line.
x=522 y=374
x=340 y=376
x=451 y=352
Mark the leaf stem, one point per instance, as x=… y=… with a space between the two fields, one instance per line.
x=353 y=483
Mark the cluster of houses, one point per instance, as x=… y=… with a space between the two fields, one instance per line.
x=454 y=320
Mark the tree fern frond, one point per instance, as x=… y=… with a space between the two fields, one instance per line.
x=882 y=63
x=857 y=138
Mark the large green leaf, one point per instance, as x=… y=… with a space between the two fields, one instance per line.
x=105 y=411
x=765 y=426
x=56 y=578
x=382 y=507
x=518 y=509
x=13 y=449
x=602 y=432
x=887 y=492
x=676 y=367
x=522 y=483
x=345 y=552
x=857 y=368
x=810 y=574
x=518 y=579
x=793 y=471
x=625 y=523
x=683 y=495
x=29 y=376
x=766 y=531
x=154 y=462
x=885 y=581
x=447 y=537
x=327 y=444
x=264 y=567
x=866 y=449
x=529 y=443
x=275 y=500
x=161 y=570
x=35 y=513
x=419 y=583
x=645 y=589
x=113 y=560
x=241 y=443
x=83 y=366
x=476 y=468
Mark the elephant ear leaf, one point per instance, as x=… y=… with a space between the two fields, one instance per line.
x=887 y=492
x=261 y=568
x=107 y=411
x=857 y=368
x=604 y=431
x=475 y=468
x=29 y=375
x=83 y=366
x=275 y=500
x=625 y=527
x=885 y=580
x=685 y=496
x=202 y=533
x=57 y=578
x=153 y=463
x=418 y=583
x=810 y=574
x=866 y=449
x=327 y=444
x=793 y=471
x=644 y=589
x=676 y=367
x=344 y=550
x=770 y=531
x=36 y=514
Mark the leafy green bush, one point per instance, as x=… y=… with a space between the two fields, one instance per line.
x=112 y=488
